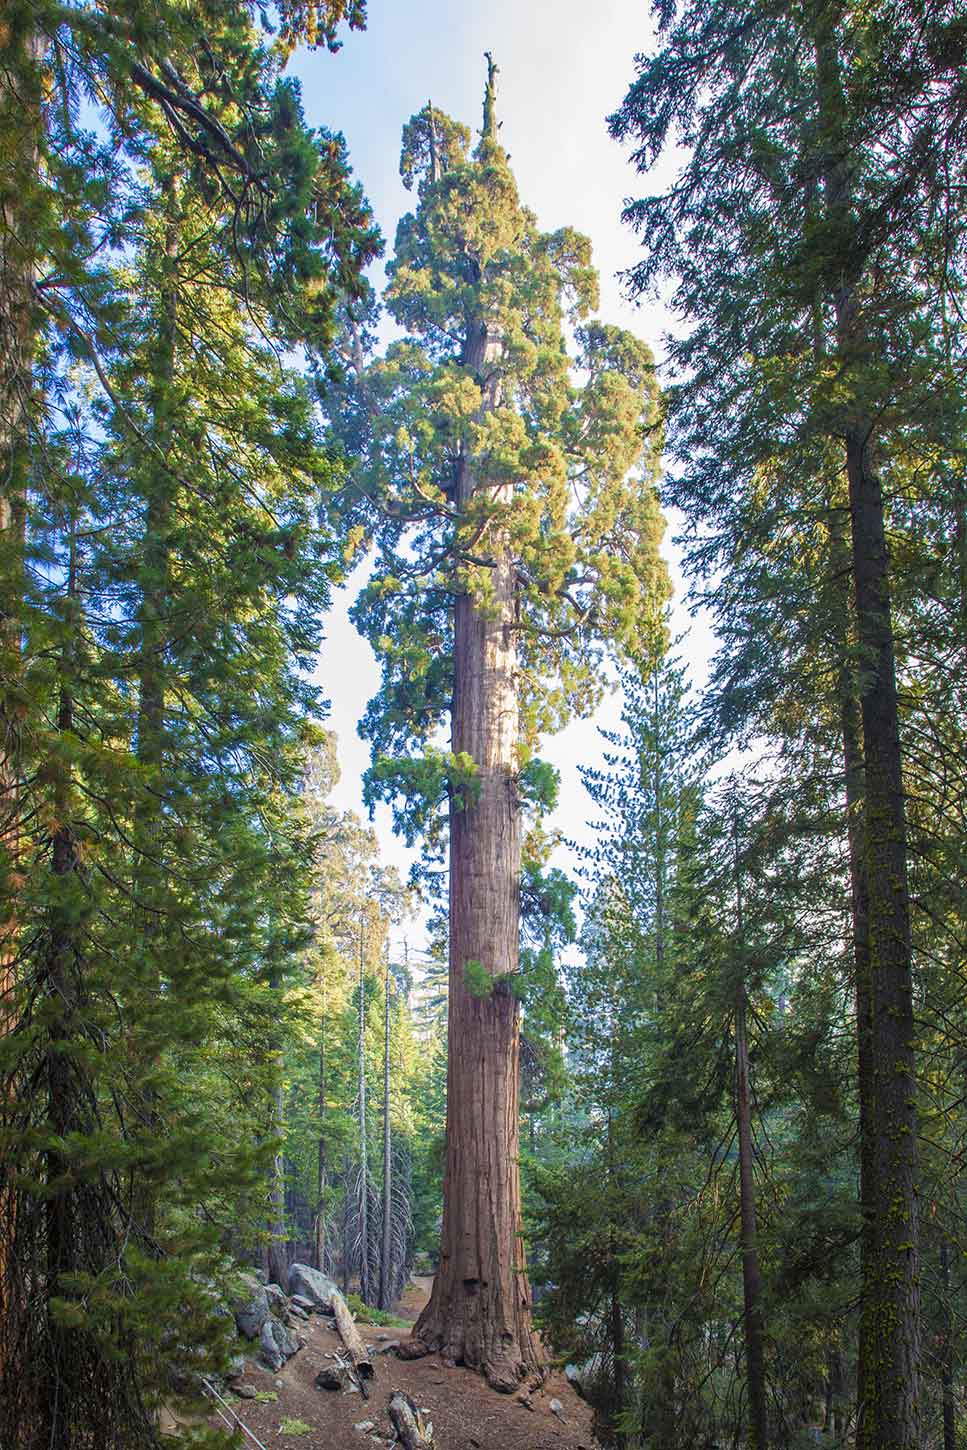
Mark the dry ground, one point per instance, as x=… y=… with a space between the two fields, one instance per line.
x=466 y=1414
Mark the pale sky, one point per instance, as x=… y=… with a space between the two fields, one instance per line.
x=564 y=66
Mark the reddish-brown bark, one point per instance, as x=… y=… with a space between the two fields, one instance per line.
x=479 y=1311
x=20 y=123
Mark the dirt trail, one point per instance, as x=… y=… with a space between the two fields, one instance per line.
x=466 y=1414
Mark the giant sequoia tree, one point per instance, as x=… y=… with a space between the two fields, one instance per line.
x=518 y=533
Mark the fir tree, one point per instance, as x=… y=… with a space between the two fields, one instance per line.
x=158 y=529
x=800 y=232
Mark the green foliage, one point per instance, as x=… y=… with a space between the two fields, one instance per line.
x=424 y=782
x=366 y=1314
x=164 y=589
x=564 y=462
x=539 y=782
x=477 y=979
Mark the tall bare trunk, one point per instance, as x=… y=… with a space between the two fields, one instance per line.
x=947 y=1354
x=479 y=1312
x=660 y=843
x=751 y=1276
x=891 y=1374
x=851 y=730
x=364 y=1286
x=20 y=125
x=891 y=1289
x=322 y=1162
x=68 y=1095
x=277 y=1258
x=386 y=1253
x=347 y=1221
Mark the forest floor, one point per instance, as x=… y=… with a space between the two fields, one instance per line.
x=466 y=1413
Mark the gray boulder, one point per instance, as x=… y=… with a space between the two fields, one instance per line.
x=278 y=1303
x=308 y=1284
x=269 y=1351
x=252 y=1310
x=276 y=1344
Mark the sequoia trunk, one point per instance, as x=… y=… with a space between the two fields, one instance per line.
x=479 y=1311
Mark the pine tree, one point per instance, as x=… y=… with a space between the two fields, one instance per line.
x=137 y=815
x=806 y=234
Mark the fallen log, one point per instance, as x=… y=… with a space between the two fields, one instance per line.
x=350 y=1337
x=413 y=1430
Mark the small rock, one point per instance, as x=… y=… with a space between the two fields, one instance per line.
x=556 y=1408
x=384 y=1336
x=364 y=1426
x=297 y=1310
x=246 y=1392
x=525 y=1400
x=280 y=1384
x=328 y=1379
x=301 y=1302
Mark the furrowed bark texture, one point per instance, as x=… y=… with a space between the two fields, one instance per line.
x=854 y=779
x=479 y=1310
x=21 y=126
x=891 y=1376
x=890 y=1346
